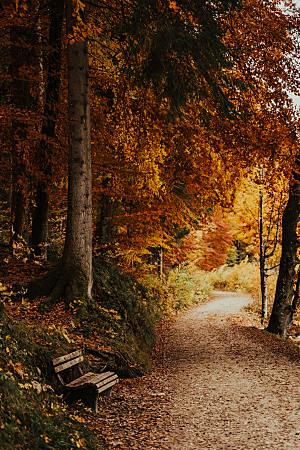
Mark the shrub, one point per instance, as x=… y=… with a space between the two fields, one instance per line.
x=178 y=290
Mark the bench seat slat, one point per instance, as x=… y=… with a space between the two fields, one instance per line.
x=91 y=378
x=62 y=359
x=107 y=386
x=108 y=380
x=85 y=379
x=68 y=364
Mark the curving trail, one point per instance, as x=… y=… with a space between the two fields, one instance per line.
x=216 y=384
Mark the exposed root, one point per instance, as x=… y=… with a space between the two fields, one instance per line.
x=64 y=282
x=116 y=362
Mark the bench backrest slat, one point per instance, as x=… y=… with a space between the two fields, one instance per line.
x=68 y=364
x=65 y=358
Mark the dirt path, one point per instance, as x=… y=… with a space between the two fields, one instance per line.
x=217 y=384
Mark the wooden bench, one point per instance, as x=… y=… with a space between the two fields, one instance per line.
x=77 y=385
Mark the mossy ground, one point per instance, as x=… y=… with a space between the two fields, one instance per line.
x=31 y=415
x=125 y=312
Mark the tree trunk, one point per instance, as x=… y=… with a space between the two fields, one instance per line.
x=282 y=312
x=107 y=207
x=39 y=234
x=77 y=257
x=18 y=210
x=21 y=40
x=104 y=226
x=262 y=261
x=161 y=263
x=296 y=299
x=72 y=280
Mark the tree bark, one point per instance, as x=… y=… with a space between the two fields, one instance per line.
x=282 y=312
x=77 y=256
x=161 y=263
x=21 y=55
x=296 y=299
x=262 y=261
x=39 y=234
x=72 y=280
x=104 y=226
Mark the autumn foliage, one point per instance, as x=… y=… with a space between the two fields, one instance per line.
x=186 y=99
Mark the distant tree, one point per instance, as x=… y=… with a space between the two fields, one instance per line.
x=207 y=248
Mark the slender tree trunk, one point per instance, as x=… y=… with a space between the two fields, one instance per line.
x=262 y=261
x=72 y=280
x=39 y=234
x=20 y=90
x=282 y=312
x=161 y=263
x=104 y=226
x=18 y=210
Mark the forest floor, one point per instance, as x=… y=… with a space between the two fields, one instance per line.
x=217 y=383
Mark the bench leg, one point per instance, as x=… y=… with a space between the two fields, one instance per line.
x=107 y=392
x=90 y=398
x=95 y=406
x=71 y=397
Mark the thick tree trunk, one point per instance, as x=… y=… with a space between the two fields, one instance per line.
x=296 y=299
x=77 y=257
x=39 y=234
x=282 y=312
x=72 y=280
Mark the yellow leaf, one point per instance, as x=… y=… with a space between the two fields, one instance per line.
x=25 y=386
x=46 y=438
x=80 y=443
x=79 y=419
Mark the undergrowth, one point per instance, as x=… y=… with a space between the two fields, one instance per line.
x=125 y=311
x=178 y=290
